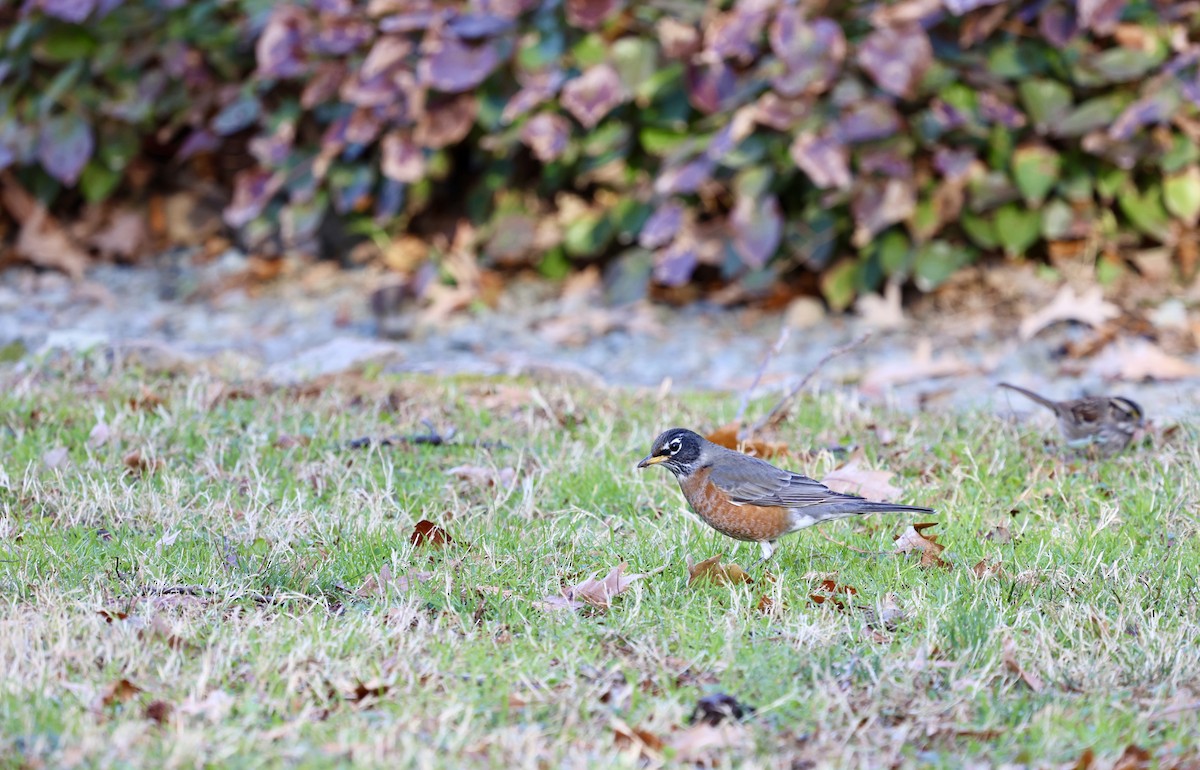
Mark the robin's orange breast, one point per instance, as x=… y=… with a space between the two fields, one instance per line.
x=743 y=522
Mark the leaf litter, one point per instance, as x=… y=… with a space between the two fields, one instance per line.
x=914 y=540
x=591 y=592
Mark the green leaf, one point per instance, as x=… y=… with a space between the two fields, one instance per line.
x=588 y=235
x=636 y=61
x=98 y=181
x=1017 y=228
x=1057 y=219
x=838 y=284
x=938 y=260
x=660 y=141
x=1035 y=169
x=1145 y=210
x=925 y=220
x=66 y=43
x=979 y=229
x=554 y=264
x=1091 y=115
x=589 y=51
x=894 y=252
x=1181 y=193
x=1046 y=101
x=1182 y=152
x=1109 y=182
x=754 y=182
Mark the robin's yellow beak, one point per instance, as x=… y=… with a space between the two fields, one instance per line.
x=651 y=460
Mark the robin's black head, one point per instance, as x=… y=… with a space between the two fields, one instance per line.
x=677 y=449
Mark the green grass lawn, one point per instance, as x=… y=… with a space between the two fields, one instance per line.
x=190 y=590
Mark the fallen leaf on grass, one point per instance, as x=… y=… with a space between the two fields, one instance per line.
x=141 y=465
x=836 y=595
x=986 y=568
x=1133 y=758
x=713 y=571
x=122 y=234
x=853 y=479
x=591 y=592
x=215 y=706
x=887 y=616
x=100 y=435
x=56 y=458
x=430 y=534
x=285 y=441
x=626 y=738
x=361 y=691
x=485 y=477
x=158 y=711
x=1141 y=360
x=913 y=540
x=703 y=743
x=999 y=534
x=727 y=436
x=377 y=584
x=119 y=691
x=1009 y=655
x=921 y=365
x=1089 y=308
x=882 y=311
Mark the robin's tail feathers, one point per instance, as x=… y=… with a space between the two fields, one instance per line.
x=873 y=507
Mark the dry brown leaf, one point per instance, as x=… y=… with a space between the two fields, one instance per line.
x=712 y=571
x=1089 y=308
x=123 y=234
x=158 y=711
x=42 y=239
x=99 y=435
x=836 y=595
x=140 y=465
x=922 y=365
x=377 y=584
x=591 y=592
x=1133 y=758
x=627 y=738
x=427 y=533
x=727 y=436
x=1141 y=360
x=853 y=479
x=503 y=593
x=484 y=476
x=914 y=540
x=987 y=568
x=1009 y=655
x=882 y=312
x=704 y=742
x=999 y=534
x=119 y=691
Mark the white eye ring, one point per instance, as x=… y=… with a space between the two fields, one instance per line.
x=675 y=445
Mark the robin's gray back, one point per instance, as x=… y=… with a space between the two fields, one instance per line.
x=750 y=480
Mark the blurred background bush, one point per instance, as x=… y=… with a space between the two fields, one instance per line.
x=682 y=146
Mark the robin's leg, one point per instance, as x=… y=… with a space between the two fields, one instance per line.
x=768 y=550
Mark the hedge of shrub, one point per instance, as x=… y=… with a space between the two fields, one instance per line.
x=745 y=139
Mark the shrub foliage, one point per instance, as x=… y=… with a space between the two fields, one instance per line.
x=858 y=140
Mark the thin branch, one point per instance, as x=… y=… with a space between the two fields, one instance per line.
x=779 y=412
x=850 y=547
x=772 y=351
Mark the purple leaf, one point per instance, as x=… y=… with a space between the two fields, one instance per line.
x=736 y=33
x=993 y=110
x=1099 y=16
x=953 y=164
x=338 y=37
x=593 y=94
x=823 y=160
x=812 y=52
x=960 y=7
x=1057 y=25
x=447 y=121
x=590 y=14
x=547 y=135
x=200 y=140
x=673 y=266
x=476 y=27
x=869 y=120
x=362 y=128
x=271 y=151
x=401 y=159
x=65 y=145
x=710 y=87
x=453 y=66
x=757 y=226
x=885 y=161
x=416 y=21
x=739 y=127
x=678 y=40
x=686 y=178
x=17 y=142
x=323 y=84
x=662 y=226
x=387 y=52
x=947 y=117
x=780 y=114
x=240 y=113
x=531 y=95
x=253 y=188
x=74 y=11
x=896 y=58
x=1155 y=108
x=877 y=205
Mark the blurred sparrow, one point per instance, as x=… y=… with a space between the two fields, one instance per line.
x=1103 y=425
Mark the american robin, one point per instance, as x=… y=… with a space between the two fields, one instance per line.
x=749 y=499
x=1101 y=424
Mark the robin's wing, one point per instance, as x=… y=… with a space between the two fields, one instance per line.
x=750 y=480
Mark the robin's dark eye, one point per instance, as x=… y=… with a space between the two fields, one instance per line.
x=674 y=445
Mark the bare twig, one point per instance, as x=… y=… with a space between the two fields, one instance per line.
x=772 y=351
x=850 y=547
x=779 y=412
